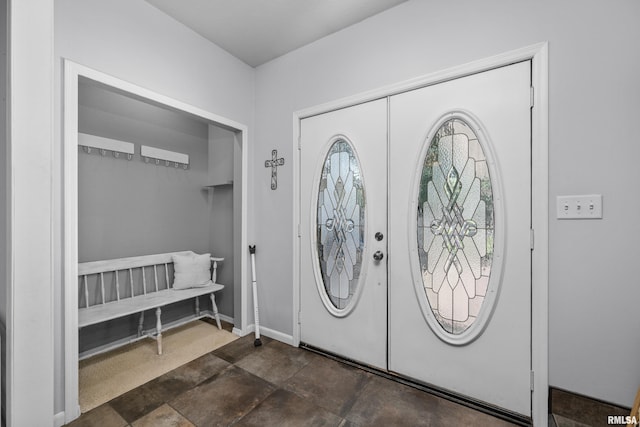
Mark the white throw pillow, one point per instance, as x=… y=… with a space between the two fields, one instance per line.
x=191 y=271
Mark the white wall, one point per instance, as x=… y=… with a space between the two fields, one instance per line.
x=30 y=290
x=133 y=41
x=594 y=102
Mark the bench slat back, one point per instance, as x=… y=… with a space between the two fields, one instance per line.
x=113 y=267
x=93 y=267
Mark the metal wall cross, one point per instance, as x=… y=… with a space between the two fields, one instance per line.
x=273 y=164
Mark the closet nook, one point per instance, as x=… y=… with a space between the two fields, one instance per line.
x=153 y=180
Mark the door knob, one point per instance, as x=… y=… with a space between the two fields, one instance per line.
x=379 y=236
x=378 y=256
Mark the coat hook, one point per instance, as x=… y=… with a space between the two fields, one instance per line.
x=167 y=162
x=129 y=156
x=103 y=152
x=87 y=149
x=157 y=161
x=116 y=154
x=185 y=166
x=177 y=164
x=146 y=160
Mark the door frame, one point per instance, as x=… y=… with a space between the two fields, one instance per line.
x=539 y=56
x=72 y=73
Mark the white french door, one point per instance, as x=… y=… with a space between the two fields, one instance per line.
x=460 y=236
x=437 y=182
x=343 y=226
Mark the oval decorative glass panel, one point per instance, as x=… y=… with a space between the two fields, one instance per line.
x=340 y=224
x=456 y=227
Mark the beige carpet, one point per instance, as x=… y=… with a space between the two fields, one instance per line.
x=109 y=375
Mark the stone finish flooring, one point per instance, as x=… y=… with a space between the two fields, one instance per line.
x=573 y=410
x=277 y=385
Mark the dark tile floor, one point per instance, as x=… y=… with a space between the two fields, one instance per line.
x=573 y=410
x=277 y=385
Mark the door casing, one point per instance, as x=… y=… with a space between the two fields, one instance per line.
x=538 y=54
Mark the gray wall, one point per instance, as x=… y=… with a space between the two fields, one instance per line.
x=594 y=103
x=134 y=41
x=128 y=208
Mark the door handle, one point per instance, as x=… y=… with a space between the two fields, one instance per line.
x=378 y=256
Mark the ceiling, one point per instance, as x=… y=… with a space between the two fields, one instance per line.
x=257 y=31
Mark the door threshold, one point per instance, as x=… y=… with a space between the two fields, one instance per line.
x=469 y=402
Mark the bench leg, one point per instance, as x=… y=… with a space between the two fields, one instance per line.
x=141 y=324
x=159 y=330
x=215 y=310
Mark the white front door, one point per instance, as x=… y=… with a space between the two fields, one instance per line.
x=343 y=226
x=460 y=236
x=454 y=177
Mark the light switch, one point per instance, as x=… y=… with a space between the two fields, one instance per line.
x=587 y=206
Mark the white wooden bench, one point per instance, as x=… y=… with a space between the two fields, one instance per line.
x=115 y=288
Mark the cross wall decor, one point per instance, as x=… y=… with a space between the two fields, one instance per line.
x=273 y=164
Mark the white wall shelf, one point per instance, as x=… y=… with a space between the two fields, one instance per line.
x=218 y=184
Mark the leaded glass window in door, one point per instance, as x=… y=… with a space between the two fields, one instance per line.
x=340 y=223
x=455 y=222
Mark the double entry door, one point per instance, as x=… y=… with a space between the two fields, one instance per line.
x=415 y=235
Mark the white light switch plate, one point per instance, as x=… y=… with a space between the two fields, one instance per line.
x=587 y=206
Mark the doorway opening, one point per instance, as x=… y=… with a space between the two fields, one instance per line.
x=120 y=204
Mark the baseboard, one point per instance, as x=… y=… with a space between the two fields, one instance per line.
x=226 y=318
x=58 y=419
x=277 y=335
x=267 y=332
